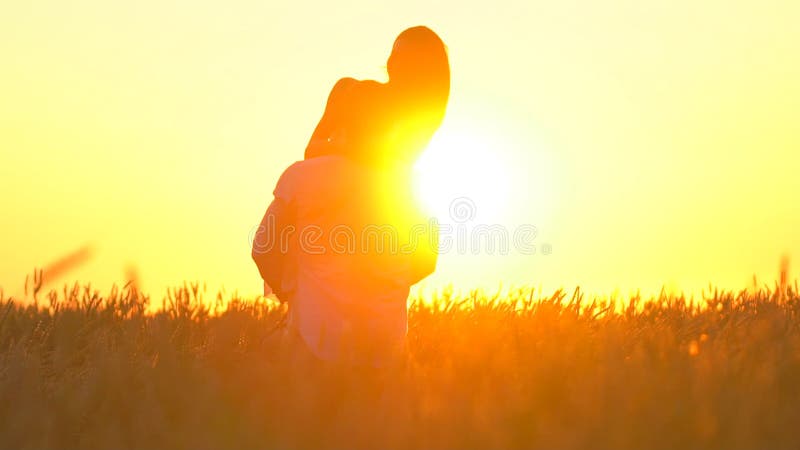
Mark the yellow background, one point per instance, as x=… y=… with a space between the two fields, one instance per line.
x=650 y=142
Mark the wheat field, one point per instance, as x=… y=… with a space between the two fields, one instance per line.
x=84 y=369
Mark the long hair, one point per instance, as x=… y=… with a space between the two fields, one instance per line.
x=419 y=66
x=419 y=75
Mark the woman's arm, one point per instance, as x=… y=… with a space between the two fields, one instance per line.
x=332 y=119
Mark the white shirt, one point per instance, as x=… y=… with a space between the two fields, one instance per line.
x=357 y=246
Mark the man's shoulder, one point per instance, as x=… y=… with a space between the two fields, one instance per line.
x=314 y=173
x=318 y=163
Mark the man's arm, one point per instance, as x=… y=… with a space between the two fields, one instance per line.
x=423 y=248
x=271 y=245
x=424 y=262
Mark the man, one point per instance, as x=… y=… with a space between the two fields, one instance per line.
x=343 y=241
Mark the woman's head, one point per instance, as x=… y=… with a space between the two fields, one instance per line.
x=419 y=59
x=419 y=74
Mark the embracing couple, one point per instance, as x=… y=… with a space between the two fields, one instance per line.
x=343 y=241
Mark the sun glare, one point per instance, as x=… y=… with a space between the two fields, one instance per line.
x=462 y=176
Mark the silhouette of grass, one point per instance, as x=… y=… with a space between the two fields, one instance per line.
x=81 y=369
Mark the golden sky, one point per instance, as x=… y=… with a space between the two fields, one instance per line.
x=650 y=143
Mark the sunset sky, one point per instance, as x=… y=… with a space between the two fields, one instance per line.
x=650 y=143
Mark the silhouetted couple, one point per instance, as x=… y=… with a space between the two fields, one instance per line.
x=343 y=241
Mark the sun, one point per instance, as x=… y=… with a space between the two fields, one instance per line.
x=462 y=177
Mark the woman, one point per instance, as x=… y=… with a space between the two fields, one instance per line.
x=347 y=293
x=415 y=96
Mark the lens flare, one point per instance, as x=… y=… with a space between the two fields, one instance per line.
x=462 y=166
